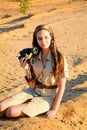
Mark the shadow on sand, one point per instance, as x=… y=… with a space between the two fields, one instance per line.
x=7 y=29
x=2 y=30
x=71 y=92
x=19 y=19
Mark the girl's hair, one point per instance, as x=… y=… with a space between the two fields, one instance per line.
x=58 y=61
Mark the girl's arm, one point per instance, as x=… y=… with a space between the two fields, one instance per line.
x=26 y=67
x=51 y=113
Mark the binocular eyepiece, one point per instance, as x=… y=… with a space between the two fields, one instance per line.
x=26 y=52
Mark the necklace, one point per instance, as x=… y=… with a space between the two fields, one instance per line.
x=44 y=58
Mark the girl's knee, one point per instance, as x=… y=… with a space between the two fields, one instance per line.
x=15 y=111
x=4 y=104
x=12 y=112
x=9 y=112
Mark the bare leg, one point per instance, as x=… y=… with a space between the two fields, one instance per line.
x=4 y=104
x=16 y=111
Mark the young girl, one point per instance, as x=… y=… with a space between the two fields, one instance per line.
x=46 y=79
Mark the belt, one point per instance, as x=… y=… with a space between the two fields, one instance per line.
x=41 y=86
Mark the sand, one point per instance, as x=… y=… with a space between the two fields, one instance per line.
x=69 y=23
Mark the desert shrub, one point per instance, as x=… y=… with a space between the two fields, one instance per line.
x=24 y=6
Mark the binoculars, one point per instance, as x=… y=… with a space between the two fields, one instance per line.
x=26 y=52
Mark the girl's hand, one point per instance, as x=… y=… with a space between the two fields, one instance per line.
x=51 y=114
x=23 y=62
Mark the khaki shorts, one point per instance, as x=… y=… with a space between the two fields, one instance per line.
x=37 y=105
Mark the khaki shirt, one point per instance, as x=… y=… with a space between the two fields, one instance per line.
x=44 y=74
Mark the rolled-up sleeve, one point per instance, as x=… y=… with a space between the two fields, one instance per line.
x=64 y=74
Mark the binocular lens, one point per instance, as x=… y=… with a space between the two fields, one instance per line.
x=31 y=61
x=35 y=50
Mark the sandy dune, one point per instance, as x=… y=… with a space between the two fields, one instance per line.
x=69 y=22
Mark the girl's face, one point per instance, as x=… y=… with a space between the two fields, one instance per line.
x=43 y=39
